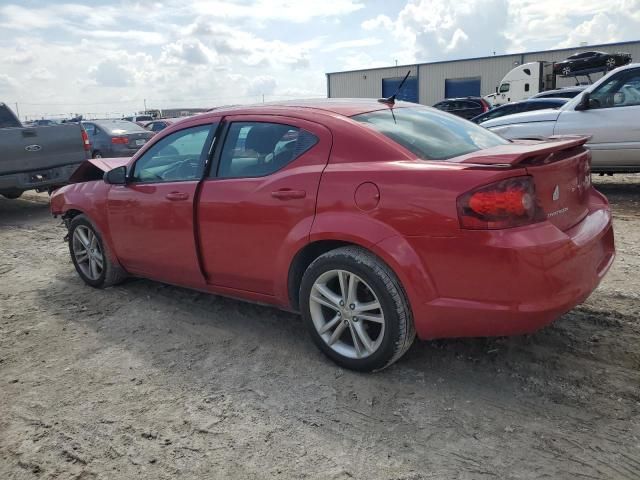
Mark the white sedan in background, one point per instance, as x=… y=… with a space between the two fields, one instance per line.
x=608 y=110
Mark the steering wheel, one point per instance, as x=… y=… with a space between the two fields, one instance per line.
x=185 y=169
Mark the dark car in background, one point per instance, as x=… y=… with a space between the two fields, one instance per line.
x=466 y=107
x=159 y=125
x=590 y=61
x=565 y=92
x=139 y=119
x=518 y=107
x=115 y=138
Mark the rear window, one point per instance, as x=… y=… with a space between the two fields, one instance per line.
x=430 y=134
x=119 y=127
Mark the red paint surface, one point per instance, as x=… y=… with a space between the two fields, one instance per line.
x=235 y=237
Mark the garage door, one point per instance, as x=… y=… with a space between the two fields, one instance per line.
x=409 y=92
x=462 y=87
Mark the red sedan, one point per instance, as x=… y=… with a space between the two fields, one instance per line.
x=376 y=221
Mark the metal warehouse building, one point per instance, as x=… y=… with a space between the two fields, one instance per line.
x=431 y=82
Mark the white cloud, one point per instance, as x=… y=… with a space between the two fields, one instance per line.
x=262 y=85
x=357 y=43
x=289 y=10
x=7 y=83
x=41 y=74
x=189 y=51
x=110 y=73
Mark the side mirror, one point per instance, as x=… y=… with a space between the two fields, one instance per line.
x=116 y=176
x=585 y=102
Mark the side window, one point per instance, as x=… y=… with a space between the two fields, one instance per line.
x=504 y=88
x=526 y=87
x=90 y=128
x=257 y=149
x=620 y=91
x=177 y=157
x=157 y=126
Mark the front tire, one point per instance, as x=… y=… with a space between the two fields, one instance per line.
x=89 y=255
x=356 y=310
x=566 y=70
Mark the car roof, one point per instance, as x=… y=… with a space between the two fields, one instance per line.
x=547 y=100
x=341 y=106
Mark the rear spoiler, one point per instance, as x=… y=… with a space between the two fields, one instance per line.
x=520 y=150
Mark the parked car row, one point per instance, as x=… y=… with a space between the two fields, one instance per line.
x=607 y=111
x=517 y=107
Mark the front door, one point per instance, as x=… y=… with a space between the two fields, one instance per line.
x=260 y=199
x=613 y=121
x=151 y=217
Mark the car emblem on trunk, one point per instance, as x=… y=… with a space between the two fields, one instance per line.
x=556 y=193
x=33 y=148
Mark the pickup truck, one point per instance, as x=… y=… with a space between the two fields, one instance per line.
x=608 y=111
x=38 y=158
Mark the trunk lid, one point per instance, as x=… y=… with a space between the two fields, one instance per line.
x=138 y=139
x=561 y=171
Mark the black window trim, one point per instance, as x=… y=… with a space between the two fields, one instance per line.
x=206 y=153
x=225 y=125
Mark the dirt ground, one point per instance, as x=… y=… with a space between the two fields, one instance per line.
x=148 y=381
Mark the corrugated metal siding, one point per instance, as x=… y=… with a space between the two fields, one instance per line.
x=364 y=84
x=432 y=76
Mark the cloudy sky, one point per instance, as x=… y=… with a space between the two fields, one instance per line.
x=108 y=57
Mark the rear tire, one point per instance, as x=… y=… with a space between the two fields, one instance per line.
x=336 y=315
x=90 y=255
x=97 y=154
x=566 y=70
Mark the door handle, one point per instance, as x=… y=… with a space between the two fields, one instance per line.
x=288 y=194
x=176 y=196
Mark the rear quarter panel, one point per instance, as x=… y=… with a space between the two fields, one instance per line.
x=416 y=199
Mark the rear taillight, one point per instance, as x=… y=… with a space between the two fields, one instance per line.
x=85 y=140
x=485 y=106
x=504 y=204
x=120 y=140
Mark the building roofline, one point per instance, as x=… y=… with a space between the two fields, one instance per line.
x=418 y=64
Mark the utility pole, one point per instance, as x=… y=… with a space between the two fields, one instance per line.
x=145 y=106
x=17 y=111
x=263 y=98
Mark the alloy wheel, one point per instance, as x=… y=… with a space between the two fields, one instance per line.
x=347 y=314
x=87 y=252
x=611 y=62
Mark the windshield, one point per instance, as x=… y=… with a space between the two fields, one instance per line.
x=429 y=133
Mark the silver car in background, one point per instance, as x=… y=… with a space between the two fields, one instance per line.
x=608 y=111
x=115 y=138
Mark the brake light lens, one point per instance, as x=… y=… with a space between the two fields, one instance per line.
x=120 y=140
x=505 y=204
x=85 y=140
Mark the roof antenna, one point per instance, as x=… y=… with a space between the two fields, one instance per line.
x=392 y=99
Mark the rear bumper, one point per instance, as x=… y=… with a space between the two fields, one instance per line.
x=37 y=179
x=512 y=281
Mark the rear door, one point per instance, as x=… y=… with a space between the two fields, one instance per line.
x=258 y=202
x=613 y=121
